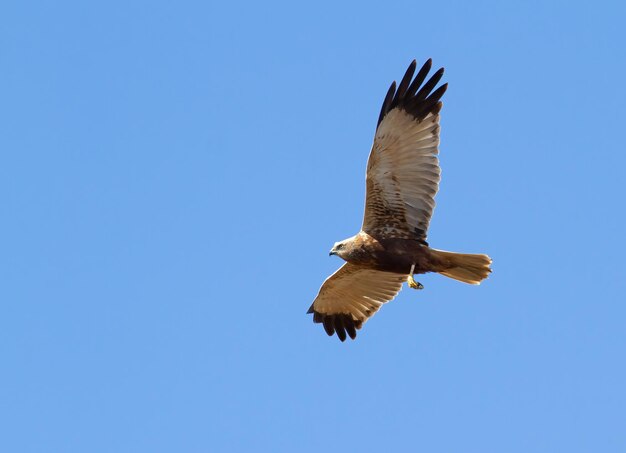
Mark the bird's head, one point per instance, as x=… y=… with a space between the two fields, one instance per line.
x=342 y=249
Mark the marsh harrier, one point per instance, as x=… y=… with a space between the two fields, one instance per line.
x=402 y=179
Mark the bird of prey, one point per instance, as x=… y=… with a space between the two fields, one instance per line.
x=402 y=179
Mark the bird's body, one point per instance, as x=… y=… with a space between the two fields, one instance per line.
x=389 y=254
x=402 y=179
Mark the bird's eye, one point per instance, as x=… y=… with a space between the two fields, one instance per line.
x=339 y=246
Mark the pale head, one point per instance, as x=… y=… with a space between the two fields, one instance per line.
x=343 y=248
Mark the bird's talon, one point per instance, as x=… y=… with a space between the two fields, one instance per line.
x=413 y=284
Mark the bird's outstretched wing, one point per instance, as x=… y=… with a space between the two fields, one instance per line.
x=403 y=170
x=352 y=295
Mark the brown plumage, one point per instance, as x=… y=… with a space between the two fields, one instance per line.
x=402 y=179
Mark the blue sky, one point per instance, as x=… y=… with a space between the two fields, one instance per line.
x=172 y=176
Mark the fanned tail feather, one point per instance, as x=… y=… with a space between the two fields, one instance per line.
x=465 y=267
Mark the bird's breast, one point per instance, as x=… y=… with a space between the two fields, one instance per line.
x=391 y=255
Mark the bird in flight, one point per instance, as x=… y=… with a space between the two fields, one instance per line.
x=402 y=179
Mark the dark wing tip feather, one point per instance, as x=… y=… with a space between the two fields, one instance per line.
x=328 y=325
x=439 y=92
x=404 y=83
x=428 y=86
x=339 y=323
x=409 y=97
x=387 y=102
x=339 y=328
x=351 y=329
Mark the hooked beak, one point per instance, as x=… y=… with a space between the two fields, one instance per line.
x=332 y=252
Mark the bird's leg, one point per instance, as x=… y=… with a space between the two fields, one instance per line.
x=411 y=281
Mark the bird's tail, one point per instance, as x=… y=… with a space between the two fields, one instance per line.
x=468 y=268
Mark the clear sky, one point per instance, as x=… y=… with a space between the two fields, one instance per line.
x=173 y=174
